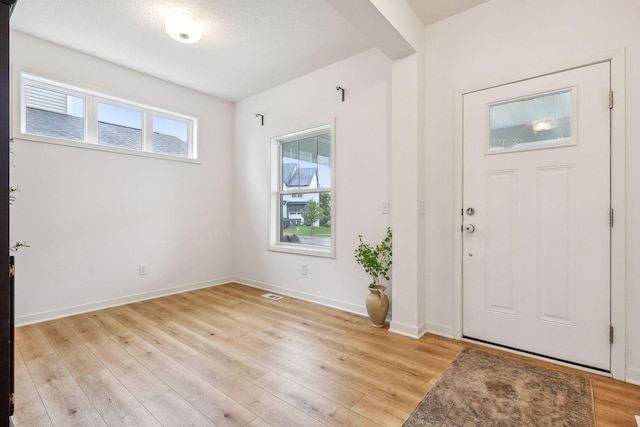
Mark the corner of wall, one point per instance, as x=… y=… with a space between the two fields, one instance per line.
x=407 y=330
x=632 y=376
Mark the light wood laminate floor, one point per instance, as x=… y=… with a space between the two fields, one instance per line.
x=227 y=356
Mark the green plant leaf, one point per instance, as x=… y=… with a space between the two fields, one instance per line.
x=376 y=260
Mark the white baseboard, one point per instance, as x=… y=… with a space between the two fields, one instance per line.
x=632 y=376
x=406 y=330
x=99 y=305
x=441 y=330
x=340 y=305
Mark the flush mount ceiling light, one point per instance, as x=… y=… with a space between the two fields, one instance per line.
x=183 y=27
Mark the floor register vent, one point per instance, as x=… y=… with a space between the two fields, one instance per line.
x=272 y=296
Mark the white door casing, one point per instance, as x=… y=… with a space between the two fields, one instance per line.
x=536 y=270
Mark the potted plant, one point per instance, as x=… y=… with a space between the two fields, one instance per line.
x=376 y=261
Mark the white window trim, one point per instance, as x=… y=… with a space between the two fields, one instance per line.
x=92 y=99
x=276 y=180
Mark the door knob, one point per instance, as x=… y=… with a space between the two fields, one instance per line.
x=469 y=228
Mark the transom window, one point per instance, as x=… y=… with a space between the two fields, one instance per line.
x=302 y=192
x=55 y=112
x=541 y=121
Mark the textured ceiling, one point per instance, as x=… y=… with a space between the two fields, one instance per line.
x=247 y=46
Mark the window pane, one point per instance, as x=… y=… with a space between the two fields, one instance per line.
x=309 y=154
x=529 y=123
x=306 y=163
x=119 y=127
x=298 y=173
x=306 y=219
x=55 y=114
x=290 y=180
x=170 y=136
x=324 y=161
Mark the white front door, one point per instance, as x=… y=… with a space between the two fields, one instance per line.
x=536 y=197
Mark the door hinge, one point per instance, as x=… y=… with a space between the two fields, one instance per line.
x=611 y=217
x=12 y=399
x=12 y=271
x=611 y=334
x=610 y=100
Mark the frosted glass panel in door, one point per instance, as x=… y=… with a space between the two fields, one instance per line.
x=533 y=122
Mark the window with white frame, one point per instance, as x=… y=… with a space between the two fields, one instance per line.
x=59 y=113
x=302 y=178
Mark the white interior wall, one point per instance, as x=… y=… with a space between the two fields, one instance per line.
x=362 y=175
x=396 y=30
x=91 y=217
x=494 y=41
x=500 y=40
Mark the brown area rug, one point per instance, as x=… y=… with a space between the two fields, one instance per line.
x=482 y=389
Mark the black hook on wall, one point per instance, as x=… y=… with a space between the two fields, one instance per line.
x=339 y=88
x=261 y=119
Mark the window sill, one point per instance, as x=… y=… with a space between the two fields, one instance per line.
x=304 y=250
x=105 y=148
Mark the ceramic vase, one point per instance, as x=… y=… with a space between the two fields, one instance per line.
x=377 y=306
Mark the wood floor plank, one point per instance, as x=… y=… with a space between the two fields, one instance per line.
x=157 y=337
x=32 y=342
x=354 y=378
x=45 y=369
x=66 y=402
x=196 y=321
x=386 y=374
x=258 y=422
x=41 y=421
x=309 y=402
x=28 y=405
x=112 y=327
x=141 y=382
x=293 y=340
x=225 y=355
x=115 y=404
x=236 y=363
x=254 y=348
x=380 y=411
x=235 y=319
x=387 y=356
x=173 y=410
x=152 y=310
x=617 y=403
x=253 y=308
x=75 y=355
x=210 y=401
x=262 y=403
x=390 y=352
x=80 y=325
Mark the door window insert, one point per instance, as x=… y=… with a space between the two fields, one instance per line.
x=539 y=121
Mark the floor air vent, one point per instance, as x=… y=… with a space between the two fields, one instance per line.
x=272 y=296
